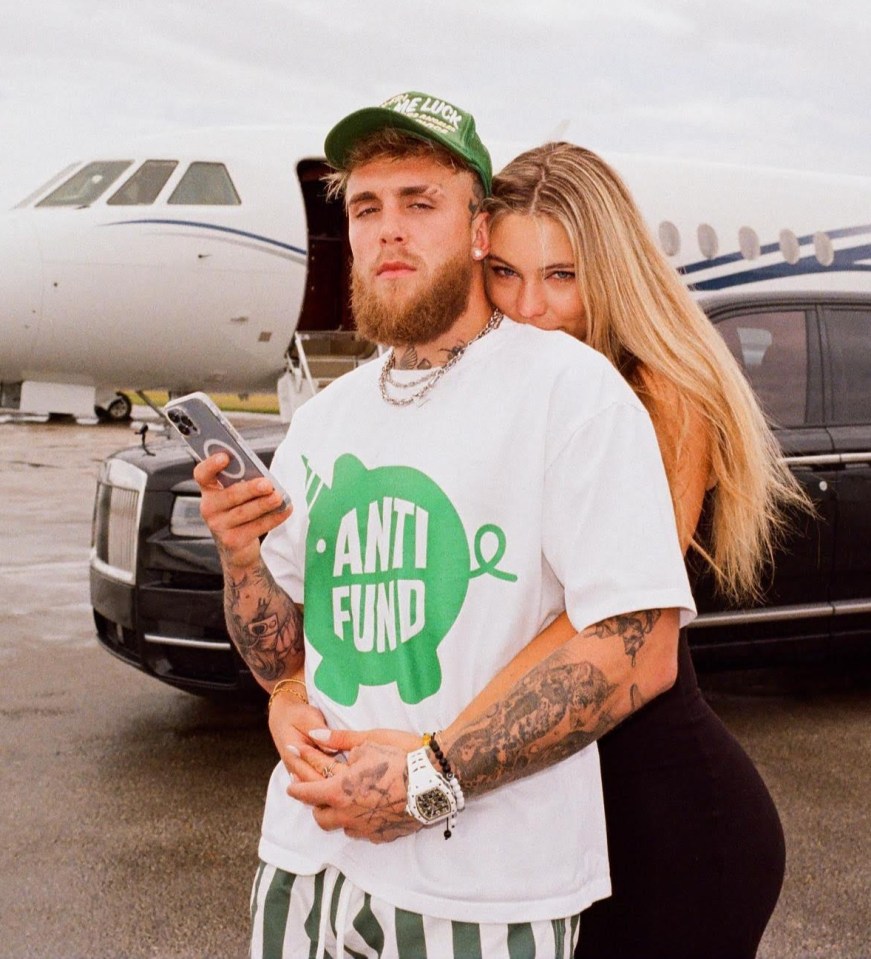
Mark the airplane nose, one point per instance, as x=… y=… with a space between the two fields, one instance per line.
x=20 y=293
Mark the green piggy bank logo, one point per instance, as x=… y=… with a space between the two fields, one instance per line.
x=387 y=569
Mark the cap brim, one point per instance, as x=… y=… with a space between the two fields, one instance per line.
x=357 y=125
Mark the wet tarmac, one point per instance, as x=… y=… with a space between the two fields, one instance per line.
x=130 y=811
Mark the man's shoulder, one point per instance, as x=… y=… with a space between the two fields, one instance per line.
x=562 y=361
x=552 y=348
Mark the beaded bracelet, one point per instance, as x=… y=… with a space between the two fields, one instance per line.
x=283 y=684
x=429 y=739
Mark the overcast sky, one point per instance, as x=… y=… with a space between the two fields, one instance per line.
x=771 y=82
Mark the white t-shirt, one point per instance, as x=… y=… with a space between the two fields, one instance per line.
x=429 y=544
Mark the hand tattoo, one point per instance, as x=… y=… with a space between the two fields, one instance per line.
x=375 y=796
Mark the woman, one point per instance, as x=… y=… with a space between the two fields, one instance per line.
x=695 y=843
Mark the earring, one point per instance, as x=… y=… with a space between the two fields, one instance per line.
x=477 y=254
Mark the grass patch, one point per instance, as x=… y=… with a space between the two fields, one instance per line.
x=231 y=402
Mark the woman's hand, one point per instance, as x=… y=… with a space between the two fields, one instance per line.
x=290 y=721
x=344 y=740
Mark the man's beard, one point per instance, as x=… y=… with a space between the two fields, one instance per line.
x=422 y=319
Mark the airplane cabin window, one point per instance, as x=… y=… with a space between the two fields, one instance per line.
x=849 y=333
x=89 y=184
x=748 y=243
x=823 y=249
x=669 y=238
x=708 y=243
x=205 y=184
x=789 y=246
x=144 y=186
x=771 y=349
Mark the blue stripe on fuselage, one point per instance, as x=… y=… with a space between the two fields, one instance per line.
x=845 y=260
x=213 y=226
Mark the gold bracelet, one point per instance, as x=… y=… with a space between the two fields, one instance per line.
x=283 y=684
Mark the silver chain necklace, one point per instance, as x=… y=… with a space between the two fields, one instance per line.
x=428 y=380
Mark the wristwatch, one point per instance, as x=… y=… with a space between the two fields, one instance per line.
x=430 y=797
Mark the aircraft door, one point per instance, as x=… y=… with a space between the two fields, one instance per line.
x=326 y=304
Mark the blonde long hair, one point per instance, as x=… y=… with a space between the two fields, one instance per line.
x=642 y=317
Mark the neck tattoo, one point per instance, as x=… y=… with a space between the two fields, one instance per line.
x=386 y=382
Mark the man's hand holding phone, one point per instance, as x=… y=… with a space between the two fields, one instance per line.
x=241 y=500
x=238 y=515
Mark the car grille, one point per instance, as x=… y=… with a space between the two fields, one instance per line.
x=117 y=509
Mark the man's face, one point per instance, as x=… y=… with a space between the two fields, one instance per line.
x=411 y=229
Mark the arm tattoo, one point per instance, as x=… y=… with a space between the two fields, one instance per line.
x=559 y=707
x=270 y=635
x=632 y=628
x=555 y=710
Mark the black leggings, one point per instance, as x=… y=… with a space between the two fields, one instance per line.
x=696 y=846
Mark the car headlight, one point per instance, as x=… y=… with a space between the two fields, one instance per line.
x=186 y=520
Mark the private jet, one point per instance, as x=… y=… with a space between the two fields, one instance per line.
x=212 y=260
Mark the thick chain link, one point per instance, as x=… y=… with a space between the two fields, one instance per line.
x=386 y=382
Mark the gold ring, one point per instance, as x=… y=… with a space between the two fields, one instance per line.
x=327 y=771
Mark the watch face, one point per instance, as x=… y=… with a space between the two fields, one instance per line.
x=433 y=804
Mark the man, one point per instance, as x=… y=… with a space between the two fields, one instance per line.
x=449 y=502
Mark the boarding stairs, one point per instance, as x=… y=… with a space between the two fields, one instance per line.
x=317 y=358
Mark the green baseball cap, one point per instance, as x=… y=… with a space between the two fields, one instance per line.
x=422 y=115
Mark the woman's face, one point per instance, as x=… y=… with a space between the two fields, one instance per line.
x=532 y=276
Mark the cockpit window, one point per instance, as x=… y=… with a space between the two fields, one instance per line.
x=41 y=189
x=145 y=184
x=89 y=184
x=206 y=184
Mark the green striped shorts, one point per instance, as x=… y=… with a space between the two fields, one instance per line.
x=326 y=916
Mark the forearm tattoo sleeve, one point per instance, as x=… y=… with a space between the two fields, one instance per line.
x=560 y=706
x=263 y=622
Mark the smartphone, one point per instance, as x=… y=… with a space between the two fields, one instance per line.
x=207 y=431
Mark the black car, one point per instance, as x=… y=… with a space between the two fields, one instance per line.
x=156 y=585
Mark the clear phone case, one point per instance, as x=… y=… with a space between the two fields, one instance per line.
x=207 y=431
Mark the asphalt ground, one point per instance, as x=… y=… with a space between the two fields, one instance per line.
x=130 y=811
